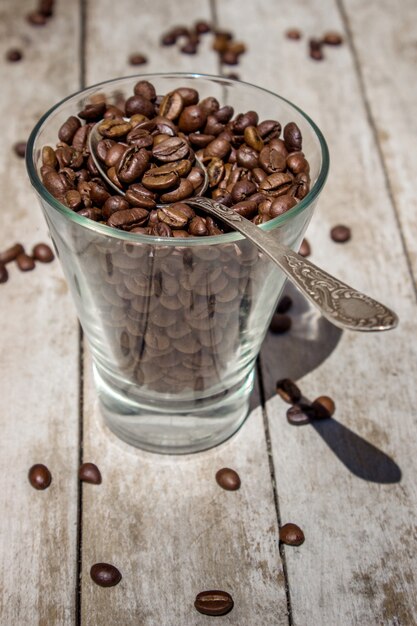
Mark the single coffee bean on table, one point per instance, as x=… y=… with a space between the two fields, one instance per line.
x=25 y=262
x=332 y=38
x=10 y=254
x=4 y=274
x=43 y=253
x=89 y=473
x=293 y=33
x=327 y=402
x=20 y=149
x=288 y=390
x=323 y=407
x=39 y=476
x=300 y=414
x=305 y=249
x=228 y=479
x=13 y=55
x=340 y=233
x=315 y=47
x=137 y=59
x=105 y=574
x=291 y=535
x=214 y=602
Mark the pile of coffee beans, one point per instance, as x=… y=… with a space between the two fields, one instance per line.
x=301 y=411
x=187 y=38
x=25 y=262
x=43 y=12
x=151 y=149
x=316 y=44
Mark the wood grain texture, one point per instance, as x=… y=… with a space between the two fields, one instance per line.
x=349 y=483
x=388 y=75
x=39 y=345
x=164 y=521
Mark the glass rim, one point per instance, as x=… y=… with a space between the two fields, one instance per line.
x=127 y=236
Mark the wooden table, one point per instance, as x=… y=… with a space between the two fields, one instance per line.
x=163 y=521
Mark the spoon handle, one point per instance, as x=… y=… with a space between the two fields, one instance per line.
x=339 y=303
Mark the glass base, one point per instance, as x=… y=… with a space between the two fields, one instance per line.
x=177 y=429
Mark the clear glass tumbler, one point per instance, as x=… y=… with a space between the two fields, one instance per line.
x=174 y=325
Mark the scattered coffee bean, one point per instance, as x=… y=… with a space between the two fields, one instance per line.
x=315 y=47
x=36 y=18
x=39 y=476
x=288 y=390
x=340 y=233
x=293 y=33
x=105 y=574
x=13 y=55
x=228 y=479
x=43 y=253
x=291 y=535
x=332 y=38
x=10 y=254
x=327 y=402
x=89 y=473
x=137 y=59
x=280 y=323
x=189 y=48
x=300 y=414
x=202 y=27
x=284 y=304
x=4 y=274
x=25 y=262
x=20 y=149
x=214 y=602
x=305 y=249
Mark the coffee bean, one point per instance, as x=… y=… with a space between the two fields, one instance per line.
x=46 y=7
x=293 y=33
x=300 y=414
x=92 y=112
x=145 y=89
x=168 y=39
x=228 y=479
x=202 y=27
x=25 y=262
x=128 y=218
x=20 y=149
x=214 y=602
x=291 y=535
x=232 y=76
x=39 y=476
x=229 y=57
x=292 y=137
x=139 y=104
x=189 y=48
x=323 y=407
x=340 y=233
x=284 y=304
x=13 y=55
x=192 y=118
x=4 y=274
x=305 y=249
x=36 y=18
x=89 y=473
x=281 y=205
x=331 y=38
x=315 y=47
x=172 y=149
x=137 y=59
x=10 y=254
x=280 y=323
x=43 y=253
x=105 y=574
x=288 y=391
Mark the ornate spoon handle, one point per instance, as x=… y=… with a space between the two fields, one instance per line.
x=340 y=304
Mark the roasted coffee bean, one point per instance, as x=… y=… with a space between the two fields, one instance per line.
x=198 y=227
x=280 y=323
x=46 y=7
x=219 y=148
x=171 y=106
x=189 y=95
x=42 y=253
x=292 y=137
x=141 y=138
x=93 y=213
x=315 y=47
x=176 y=215
x=68 y=129
x=25 y=262
x=184 y=190
x=49 y=157
x=253 y=138
x=297 y=163
x=73 y=200
x=39 y=476
x=242 y=189
x=213 y=126
x=200 y=140
x=139 y=104
x=11 y=253
x=192 y=118
x=323 y=407
x=271 y=160
x=114 y=154
x=293 y=33
x=128 y=218
x=156 y=181
x=340 y=233
x=331 y=38
x=13 y=55
x=301 y=185
x=145 y=89
x=243 y=120
x=202 y=27
x=132 y=165
x=92 y=112
x=137 y=59
x=228 y=479
x=105 y=574
x=189 y=48
x=115 y=128
x=305 y=249
x=103 y=147
x=161 y=230
x=89 y=473
x=114 y=204
x=299 y=414
x=291 y=535
x=213 y=602
x=168 y=39
x=36 y=18
x=20 y=149
x=277 y=184
x=288 y=390
x=281 y=205
x=172 y=149
x=269 y=129
x=210 y=105
x=247 y=157
x=4 y=274
x=113 y=112
x=196 y=177
x=284 y=304
x=229 y=57
x=138 y=195
x=246 y=209
x=215 y=171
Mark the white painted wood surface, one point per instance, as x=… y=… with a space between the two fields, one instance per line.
x=163 y=521
x=38 y=345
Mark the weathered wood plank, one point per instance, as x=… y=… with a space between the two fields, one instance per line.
x=389 y=81
x=352 y=488
x=38 y=349
x=163 y=520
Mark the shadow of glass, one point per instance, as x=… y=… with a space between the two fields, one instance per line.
x=360 y=457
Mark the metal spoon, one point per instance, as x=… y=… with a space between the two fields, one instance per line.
x=340 y=304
